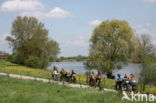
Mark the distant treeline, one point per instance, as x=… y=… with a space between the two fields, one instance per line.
x=74 y=58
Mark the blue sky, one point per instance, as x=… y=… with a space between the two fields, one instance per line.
x=71 y=22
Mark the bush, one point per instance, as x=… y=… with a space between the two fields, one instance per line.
x=33 y=61
x=13 y=58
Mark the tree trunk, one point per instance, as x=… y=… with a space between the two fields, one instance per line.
x=144 y=87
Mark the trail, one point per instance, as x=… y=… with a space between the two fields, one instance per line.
x=52 y=81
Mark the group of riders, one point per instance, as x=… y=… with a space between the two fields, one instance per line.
x=95 y=79
x=63 y=75
x=126 y=83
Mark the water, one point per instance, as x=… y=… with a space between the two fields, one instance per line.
x=131 y=68
x=79 y=68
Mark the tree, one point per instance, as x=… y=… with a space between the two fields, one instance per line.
x=143 y=48
x=145 y=54
x=30 y=42
x=110 y=43
x=147 y=75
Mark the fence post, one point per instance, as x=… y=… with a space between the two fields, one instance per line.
x=104 y=82
x=49 y=80
x=80 y=81
x=8 y=75
x=21 y=75
x=63 y=82
x=87 y=79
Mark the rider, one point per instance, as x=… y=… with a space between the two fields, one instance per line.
x=126 y=81
x=133 y=82
x=132 y=79
x=119 y=82
x=73 y=76
x=68 y=74
x=126 y=77
x=63 y=74
x=55 y=73
x=98 y=78
x=92 y=78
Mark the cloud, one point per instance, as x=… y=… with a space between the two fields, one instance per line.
x=151 y=1
x=53 y=13
x=33 y=8
x=95 y=22
x=21 y=5
x=58 y=13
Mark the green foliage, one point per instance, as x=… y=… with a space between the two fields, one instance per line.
x=30 y=43
x=75 y=58
x=148 y=70
x=12 y=58
x=144 y=48
x=33 y=61
x=111 y=42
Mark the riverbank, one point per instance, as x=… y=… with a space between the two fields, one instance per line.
x=8 y=67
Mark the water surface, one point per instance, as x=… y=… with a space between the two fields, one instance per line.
x=79 y=68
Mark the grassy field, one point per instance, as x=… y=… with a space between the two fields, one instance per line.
x=26 y=91
x=8 y=67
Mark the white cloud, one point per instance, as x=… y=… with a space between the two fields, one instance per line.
x=151 y=1
x=54 y=13
x=33 y=8
x=95 y=22
x=21 y=5
x=59 y=13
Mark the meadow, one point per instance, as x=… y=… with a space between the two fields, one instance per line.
x=27 y=91
x=8 y=67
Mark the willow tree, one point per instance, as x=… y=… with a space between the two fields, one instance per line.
x=110 y=43
x=144 y=48
x=30 y=43
x=148 y=71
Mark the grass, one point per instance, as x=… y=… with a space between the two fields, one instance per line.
x=26 y=91
x=8 y=67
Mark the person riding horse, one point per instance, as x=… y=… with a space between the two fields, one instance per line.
x=119 y=82
x=55 y=73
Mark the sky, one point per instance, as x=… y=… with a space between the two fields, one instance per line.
x=71 y=22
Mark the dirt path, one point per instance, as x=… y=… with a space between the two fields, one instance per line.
x=51 y=81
